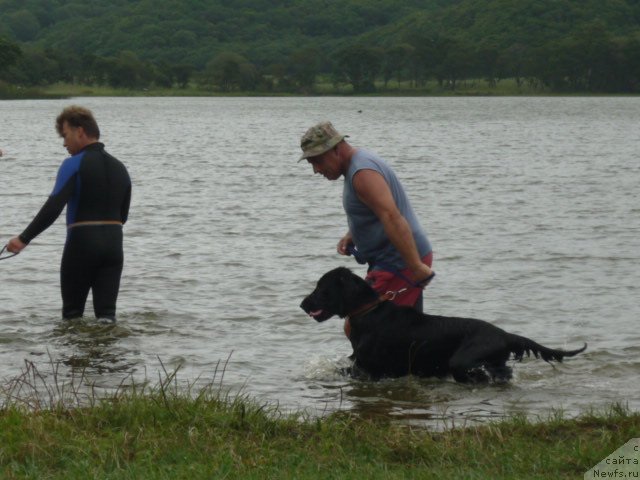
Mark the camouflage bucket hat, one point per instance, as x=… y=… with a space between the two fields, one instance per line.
x=319 y=139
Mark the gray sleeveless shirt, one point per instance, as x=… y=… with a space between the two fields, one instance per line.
x=367 y=231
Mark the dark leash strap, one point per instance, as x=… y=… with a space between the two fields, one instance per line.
x=426 y=281
x=6 y=256
x=353 y=251
x=421 y=284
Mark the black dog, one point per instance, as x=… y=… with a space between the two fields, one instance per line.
x=393 y=341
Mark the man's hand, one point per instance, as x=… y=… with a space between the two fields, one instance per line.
x=422 y=275
x=343 y=244
x=15 y=245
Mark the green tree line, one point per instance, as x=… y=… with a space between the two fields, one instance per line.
x=289 y=45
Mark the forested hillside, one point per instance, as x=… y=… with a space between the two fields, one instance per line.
x=266 y=45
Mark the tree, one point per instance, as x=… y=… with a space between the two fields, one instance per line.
x=24 y=24
x=228 y=71
x=513 y=61
x=89 y=72
x=304 y=66
x=70 y=65
x=429 y=51
x=550 y=65
x=591 y=46
x=223 y=71
x=488 y=62
x=396 y=61
x=249 y=77
x=182 y=73
x=127 y=71
x=359 y=64
x=162 y=74
x=628 y=64
x=458 y=62
x=35 y=68
x=9 y=53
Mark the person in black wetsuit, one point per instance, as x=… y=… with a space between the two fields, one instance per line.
x=96 y=188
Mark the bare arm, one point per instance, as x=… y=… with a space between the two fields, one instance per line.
x=374 y=192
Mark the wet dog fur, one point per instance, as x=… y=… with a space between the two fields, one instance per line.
x=393 y=341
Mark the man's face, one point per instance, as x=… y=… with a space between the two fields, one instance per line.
x=73 y=138
x=327 y=164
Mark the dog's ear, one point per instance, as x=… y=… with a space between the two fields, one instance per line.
x=354 y=291
x=335 y=290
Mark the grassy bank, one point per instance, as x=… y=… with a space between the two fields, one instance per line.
x=11 y=92
x=169 y=433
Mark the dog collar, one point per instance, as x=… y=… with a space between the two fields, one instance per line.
x=366 y=308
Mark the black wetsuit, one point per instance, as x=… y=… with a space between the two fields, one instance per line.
x=96 y=189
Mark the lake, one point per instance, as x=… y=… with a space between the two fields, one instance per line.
x=531 y=205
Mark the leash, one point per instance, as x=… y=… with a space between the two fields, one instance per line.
x=6 y=256
x=390 y=295
x=421 y=284
x=353 y=251
x=368 y=307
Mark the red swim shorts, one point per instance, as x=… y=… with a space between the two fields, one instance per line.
x=383 y=281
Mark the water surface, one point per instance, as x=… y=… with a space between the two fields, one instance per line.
x=531 y=205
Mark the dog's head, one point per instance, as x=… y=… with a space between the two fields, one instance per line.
x=338 y=292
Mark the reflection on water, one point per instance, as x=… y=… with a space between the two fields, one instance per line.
x=418 y=401
x=93 y=347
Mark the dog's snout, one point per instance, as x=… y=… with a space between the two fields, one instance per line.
x=306 y=304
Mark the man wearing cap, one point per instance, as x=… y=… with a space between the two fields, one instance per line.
x=383 y=228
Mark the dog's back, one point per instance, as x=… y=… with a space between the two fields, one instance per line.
x=396 y=341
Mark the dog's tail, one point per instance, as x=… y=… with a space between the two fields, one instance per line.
x=520 y=346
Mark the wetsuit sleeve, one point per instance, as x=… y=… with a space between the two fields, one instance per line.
x=124 y=212
x=62 y=191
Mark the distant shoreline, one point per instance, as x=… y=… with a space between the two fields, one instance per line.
x=61 y=91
